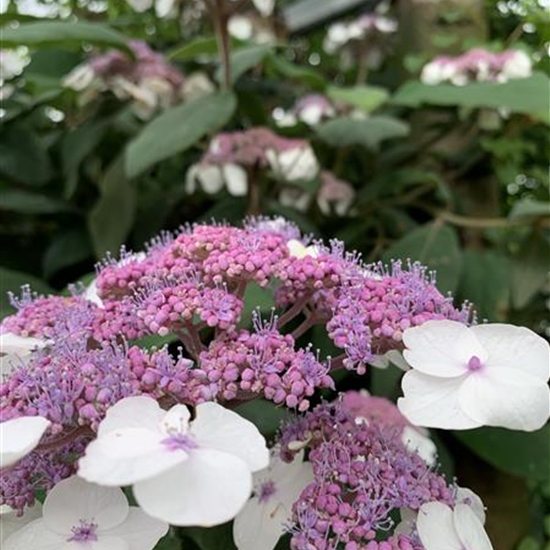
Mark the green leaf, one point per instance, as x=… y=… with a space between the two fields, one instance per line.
x=527 y=208
x=306 y=75
x=212 y=538
x=27 y=202
x=435 y=246
x=12 y=281
x=112 y=217
x=67 y=249
x=62 y=33
x=526 y=454
x=529 y=269
x=370 y=132
x=178 y=129
x=155 y=341
x=486 y=283
x=201 y=46
x=245 y=59
x=23 y=158
x=256 y=297
x=265 y=415
x=366 y=98
x=76 y=146
x=525 y=95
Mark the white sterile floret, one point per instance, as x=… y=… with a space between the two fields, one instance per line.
x=265 y=7
x=298 y=164
x=439 y=527
x=465 y=377
x=185 y=472
x=261 y=523
x=299 y=250
x=10 y=522
x=518 y=65
x=419 y=443
x=16 y=350
x=19 y=436
x=83 y=515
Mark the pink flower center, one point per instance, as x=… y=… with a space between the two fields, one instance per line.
x=85 y=532
x=179 y=442
x=474 y=364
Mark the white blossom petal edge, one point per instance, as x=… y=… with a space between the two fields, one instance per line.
x=16 y=350
x=465 y=377
x=261 y=523
x=77 y=514
x=19 y=436
x=184 y=472
x=10 y=522
x=440 y=528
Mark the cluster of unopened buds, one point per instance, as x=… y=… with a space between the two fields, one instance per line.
x=89 y=405
x=146 y=79
x=477 y=65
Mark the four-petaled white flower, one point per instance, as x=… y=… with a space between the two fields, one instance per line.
x=19 y=436
x=261 y=523
x=78 y=515
x=10 y=522
x=16 y=350
x=441 y=528
x=296 y=164
x=196 y=472
x=465 y=377
x=212 y=177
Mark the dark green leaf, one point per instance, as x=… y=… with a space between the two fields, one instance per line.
x=366 y=98
x=66 y=249
x=525 y=95
x=212 y=538
x=245 y=59
x=370 y=132
x=256 y=297
x=265 y=415
x=49 y=33
x=190 y=51
x=306 y=75
x=530 y=208
x=435 y=246
x=112 y=217
x=526 y=454
x=26 y=202
x=178 y=129
x=155 y=341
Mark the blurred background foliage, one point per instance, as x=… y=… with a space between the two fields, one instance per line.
x=453 y=176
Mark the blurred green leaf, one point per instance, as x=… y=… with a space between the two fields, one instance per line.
x=67 y=249
x=155 y=341
x=306 y=75
x=190 y=51
x=525 y=95
x=113 y=215
x=485 y=282
x=265 y=415
x=212 y=538
x=256 y=297
x=27 y=202
x=526 y=454
x=23 y=158
x=245 y=59
x=529 y=269
x=527 y=208
x=177 y=129
x=434 y=245
x=53 y=33
x=370 y=132
x=366 y=98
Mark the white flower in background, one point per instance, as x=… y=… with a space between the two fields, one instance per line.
x=310 y=109
x=265 y=7
x=91 y=294
x=80 y=515
x=440 y=528
x=517 y=65
x=212 y=178
x=296 y=164
x=241 y=27
x=79 y=78
x=261 y=523
x=184 y=472
x=12 y=63
x=196 y=86
x=140 y=5
x=10 y=522
x=19 y=436
x=297 y=249
x=419 y=442
x=295 y=198
x=248 y=27
x=392 y=356
x=334 y=195
x=16 y=350
x=465 y=377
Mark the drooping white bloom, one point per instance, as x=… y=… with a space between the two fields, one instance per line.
x=19 y=436
x=184 y=472
x=140 y=5
x=196 y=86
x=212 y=177
x=240 y=27
x=265 y=7
x=297 y=164
x=16 y=350
x=12 y=64
x=440 y=528
x=261 y=522
x=10 y=522
x=79 y=78
x=78 y=515
x=517 y=65
x=465 y=377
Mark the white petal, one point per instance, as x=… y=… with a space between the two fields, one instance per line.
x=126 y=456
x=210 y=177
x=164 y=8
x=420 y=444
x=240 y=27
x=236 y=179
x=15 y=351
x=73 y=500
x=10 y=523
x=132 y=412
x=515 y=348
x=257 y=528
x=433 y=402
x=507 y=398
x=311 y=114
x=36 y=536
x=92 y=295
x=436 y=528
x=441 y=348
x=407 y=525
x=216 y=427
x=470 y=530
x=139 y=530
x=140 y=5
x=176 y=420
x=468 y=497
x=208 y=489
x=19 y=436
x=265 y=7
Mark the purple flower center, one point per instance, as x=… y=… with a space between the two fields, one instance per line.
x=85 y=532
x=179 y=442
x=474 y=364
x=266 y=491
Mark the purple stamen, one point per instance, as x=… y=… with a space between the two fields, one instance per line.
x=266 y=491
x=85 y=532
x=474 y=364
